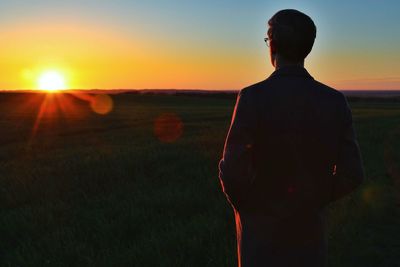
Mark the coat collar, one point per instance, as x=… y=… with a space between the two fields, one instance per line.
x=291 y=71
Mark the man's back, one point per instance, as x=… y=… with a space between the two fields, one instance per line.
x=290 y=151
x=299 y=128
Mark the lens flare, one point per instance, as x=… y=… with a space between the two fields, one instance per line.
x=168 y=127
x=102 y=104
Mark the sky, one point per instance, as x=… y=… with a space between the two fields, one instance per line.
x=208 y=44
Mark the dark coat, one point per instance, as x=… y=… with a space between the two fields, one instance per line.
x=290 y=151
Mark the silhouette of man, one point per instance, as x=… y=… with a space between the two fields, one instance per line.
x=290 y=150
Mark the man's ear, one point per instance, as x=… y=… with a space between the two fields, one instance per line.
x=272 y=45
x=272 y=52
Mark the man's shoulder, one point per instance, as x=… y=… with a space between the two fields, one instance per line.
x=332 y=95
x=323 y=88
x=254 y=88
x=270 y=85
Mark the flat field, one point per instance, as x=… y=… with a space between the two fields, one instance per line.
x=138 y=186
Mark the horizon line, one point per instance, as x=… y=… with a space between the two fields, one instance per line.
x=166 y=89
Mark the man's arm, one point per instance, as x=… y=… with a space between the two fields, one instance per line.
x=235 y=167
x=349 y=169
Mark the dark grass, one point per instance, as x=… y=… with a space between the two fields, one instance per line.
x=92 y=190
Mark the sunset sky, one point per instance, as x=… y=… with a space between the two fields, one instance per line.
x=190 y=44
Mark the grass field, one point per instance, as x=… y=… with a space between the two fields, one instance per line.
x=83 y=189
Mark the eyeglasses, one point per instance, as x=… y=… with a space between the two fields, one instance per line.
x=266 y=40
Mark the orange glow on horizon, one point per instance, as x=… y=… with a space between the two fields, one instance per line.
x=99 y=56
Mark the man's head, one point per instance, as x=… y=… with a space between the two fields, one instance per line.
x=291 y=36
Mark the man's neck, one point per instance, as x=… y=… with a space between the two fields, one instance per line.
x=280 y=63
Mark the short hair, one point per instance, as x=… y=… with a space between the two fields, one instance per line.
x=293 y=34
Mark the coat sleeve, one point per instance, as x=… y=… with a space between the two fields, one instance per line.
x=236 y=167
x=349 y=173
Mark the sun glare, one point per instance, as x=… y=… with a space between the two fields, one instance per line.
x=51 y=81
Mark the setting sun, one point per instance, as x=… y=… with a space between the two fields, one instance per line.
x=51 y=81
